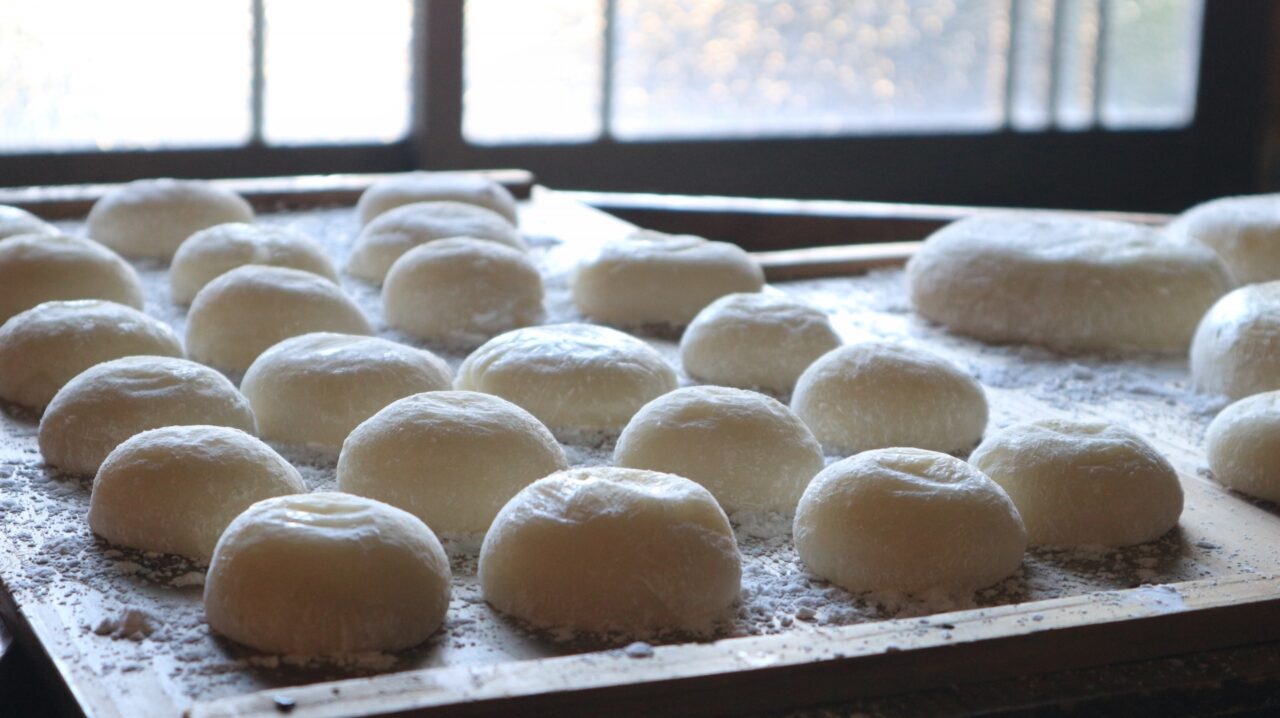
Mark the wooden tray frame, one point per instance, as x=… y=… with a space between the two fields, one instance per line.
x=732 y=675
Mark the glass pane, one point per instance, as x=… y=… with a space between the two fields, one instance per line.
x=337 y=73
x=124 y=74
x=1151 y=62
x=744 y=67
x=1077 y=57
x=1032 y=63
x=532 y=70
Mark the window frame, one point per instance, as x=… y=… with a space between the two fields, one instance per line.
x=1159 y=170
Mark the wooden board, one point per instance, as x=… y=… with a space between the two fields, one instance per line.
x=1212 y=582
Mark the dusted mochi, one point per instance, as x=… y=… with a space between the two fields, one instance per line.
x=747 y=449
x=327 y=574
x=37 y=268
x=451 y=458
x=1064 y=282
x=15 y=221
x=756 y=340
x=1079 y=483
x=876 y=395
x=908 y=520
x=655 y=278
x=46 y=346
x=573 y=377
x=1244 y=231
x=176 y=488
x=1236 y=351
x=210 y=253
x=315 y=388
x=609 y=550
x=1243 y=446
x=242 y=313
x=462 y=291
x=110 y=402
x=152 y=217
x=412 y=187
x=397 y=231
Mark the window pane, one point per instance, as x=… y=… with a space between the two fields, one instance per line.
x=1032 y=64
x=123 y=74
x=1077 y=58
x=743 y=67
x=1151 y=57
x=533 y=70
x=337 y=73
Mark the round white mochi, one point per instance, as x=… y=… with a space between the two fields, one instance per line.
x=1081 y=483
x=212 y=252
x=44 y=347
x=656 y=278
x=747 y=449
x=1243 y=446
x=240 y=314
x=15 y=221
x=462 y=291
x=110 y=402
x=451 y=458
x=1244 y=231
x=327 y=574
x=761 y=340
x=1236 y=350
x=150 y=218
x=315 y=388
x=609 y=550
x=465 y=187
x=876 y=395
x=37 y=268
x=176 y=488
x=397 y=231
x=908 y=520
x=1068 y=283
x=573 y=377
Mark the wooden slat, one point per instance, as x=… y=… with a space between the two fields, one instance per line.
x=764 y=673
x=264 y=193
x=773 y=224
x=842 y=261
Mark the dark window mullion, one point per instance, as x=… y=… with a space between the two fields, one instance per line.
x=258 y=83
x=608 y=60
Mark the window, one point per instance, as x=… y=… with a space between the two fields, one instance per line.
x=573 y=70
x=163 y=74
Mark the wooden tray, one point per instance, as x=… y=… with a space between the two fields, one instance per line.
x=1224 y=555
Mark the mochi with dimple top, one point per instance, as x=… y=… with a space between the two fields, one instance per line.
x=610 y=550
x=1064 y=282
x=175 y=489
x=1243 y=446
x=212 y=252
x=242 y=313
x=876 y=395
x=327 y=574
x=44 y=347
x=37 y=268
x=15 y=221
x=110 y=402
x=1236 y=350
x=747 y=449
x=413 y=187
x=152 y=217
x=1079 y=483
x=451 y=458
x=397 y=231
x=755 y=340
x=315 y=388
x=573 y=377
x=1244 y=231
x=655 y=278
x=462 y=291
x=908 y=520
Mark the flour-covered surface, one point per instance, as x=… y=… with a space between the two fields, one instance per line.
x=132 y=624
